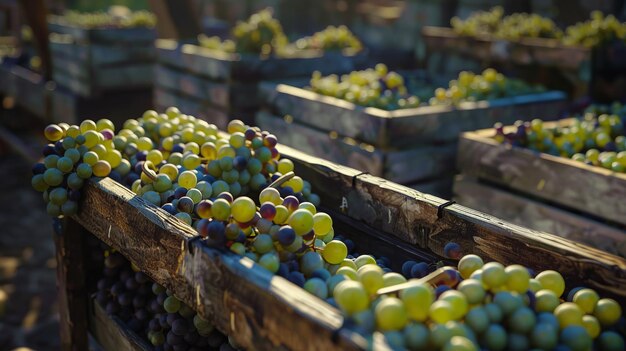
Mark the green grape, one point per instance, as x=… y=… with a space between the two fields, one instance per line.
x=468 y=264
x=301 y=221
x=221 y=210
x=335 y=252
x=371 y=276
x=187 y=179
x=38 y=183
x=477 y=319
x=364 y=260
x=270 y=262
x=473 y=290
x=458 y=302
x=568 y=313
x=607 y=311
x=417 y=300
x=393 y=278
x=586 y=299
x=351 y=296
x=493 y=275
x=459 y=343
x=310 y=262
x=317 y=287
x=243 y=209
x=263 y=243
x=441 y=311
x=53 y=177
x=546 y=300
x=517 y=278
x=171 y=304
x=552 y=280
x=390 y=314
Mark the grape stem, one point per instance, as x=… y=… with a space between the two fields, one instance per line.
x=282 y=179
x=148 y=171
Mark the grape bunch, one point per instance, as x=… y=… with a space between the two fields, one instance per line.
x=599 y=29
x=153 y=312
x=477 y=87
x=493 y=23
x=331 y=38
x=116 y=17
x=597 y=139
x=376 y=87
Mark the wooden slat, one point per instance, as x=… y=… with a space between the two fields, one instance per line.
x=31 y=91
x=560 y=180
x=243 y=299
x=111 y=333
x=216 y=93
x=526 y=51
x=403 y=128
x=71 y=285
x=412 y=216
x=402 y=166
x=539 y=216
x=127 y=36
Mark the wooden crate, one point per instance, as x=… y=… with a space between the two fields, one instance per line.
x=408 y=146
x=572 y=63
x=217 y=81
x=90 y=62
x=256 y=307
x=541 y=191
x=27 y=89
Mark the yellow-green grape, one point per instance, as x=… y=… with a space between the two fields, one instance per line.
x=101 y=168
x=460 y=343
x=586 y=299
x=607 y=311
x=301 y=221
x=468 y=264
x=371 y=276
x=349 y=272
x=270 y=195
x=417 y=300
x=552 y=280
x=517 y=278
x=473 y=290
x=335 y=252
x=493 y=275
x=568 y=313
x=322 y=224
x=458 y=302
x=546 y=300
x=187 y=179
x=351 y=297
x=591 y=324
x=390 y=314
x=441 y=311
x=393 y=278
x=53 y=133
x=243 y=209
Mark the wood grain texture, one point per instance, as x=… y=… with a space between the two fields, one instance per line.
x=223 y=66
x=412 y=216
x=539 y=216
x=408 y=127
x=242 y=298
x=111 y=333
x=563 y=181
x=71 y=286
x=401 y=166
x=119 y=36
x=547 y=52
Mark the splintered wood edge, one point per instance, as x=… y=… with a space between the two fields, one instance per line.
x=111 y=333
x=485 y=136
x=160 y=245
x=484 y=234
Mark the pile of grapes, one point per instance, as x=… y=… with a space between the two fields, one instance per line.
x=263 y=34
x=116 y=17
x=598 y=138
x=376 y=87
x=493 y=23
x=184 y=166
x=386 y=90
x=599 y=29
x=477 y=87
x=331 y=38
x=153 y=312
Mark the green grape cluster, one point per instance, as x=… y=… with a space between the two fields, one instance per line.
x=513 y=27
x=331 y=38
x=376 y=87
x=260 y=34
x=488 y=85
x=116 y=17
x=597 y=139
x=76 y=153
x=598 y=30
x=217 y=44
x=479 y=23
x=481 y=306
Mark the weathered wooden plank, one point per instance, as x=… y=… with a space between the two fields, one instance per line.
x=95 y=55
x=401 y=128
x=243 y=299
x=6 y=80
x=71 y=286
x=128 y=36
x=539 y=216
x=563 y=181
x=413 y=217
x=401 y=166
x=542 y=51
x=111 y=333
x=223 y=66
x=440 y=187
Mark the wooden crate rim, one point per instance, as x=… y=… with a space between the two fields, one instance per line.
x=551 y=95
x=485 y=136
x=545 y=43
x=194 y=49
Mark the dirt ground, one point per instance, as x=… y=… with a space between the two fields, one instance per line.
x=27 y=262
